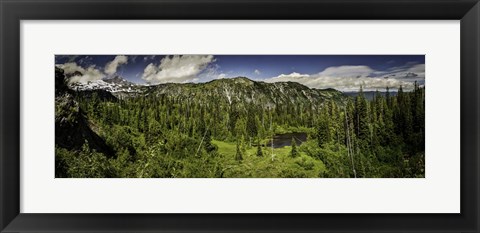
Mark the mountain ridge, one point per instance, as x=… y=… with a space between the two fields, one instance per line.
x=229 y=90
x=244 y=90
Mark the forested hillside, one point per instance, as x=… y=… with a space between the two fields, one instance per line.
x=228 y=128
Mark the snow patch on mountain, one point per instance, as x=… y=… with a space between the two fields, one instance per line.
x=116 y=84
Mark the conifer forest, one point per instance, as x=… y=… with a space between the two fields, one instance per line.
x=185 y=117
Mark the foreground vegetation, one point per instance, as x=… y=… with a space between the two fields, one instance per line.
x=208 y=136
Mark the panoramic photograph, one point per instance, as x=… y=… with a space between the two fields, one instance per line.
x=239 y=116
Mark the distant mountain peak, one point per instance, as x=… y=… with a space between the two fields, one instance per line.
x=231 y=90
x=239 y=79
x=242 y=78
x=245 y=91
x=114 y=85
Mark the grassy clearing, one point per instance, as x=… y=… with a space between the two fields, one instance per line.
x=281 y=164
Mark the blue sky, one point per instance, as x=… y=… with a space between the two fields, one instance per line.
x=342 y=72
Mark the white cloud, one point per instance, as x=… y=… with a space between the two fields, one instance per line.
x=257 y=72
x=111 y=67
x=91 y=74
x=350 y=78
x=419 y=70
x=178 y=69
x=86 y=75
x=71 y=67
x=347 y=71
x=404 y=71
x=290 y=77
x=211 y=72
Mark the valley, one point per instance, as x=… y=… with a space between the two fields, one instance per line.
x=224 y=129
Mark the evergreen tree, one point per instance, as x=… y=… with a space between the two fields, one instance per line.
x=238 y=155
x=361 y=120
x=208 y=142
x=252 y=130
x=259 y=149
x=387 y=97
x=323 y=131
x=294 y=152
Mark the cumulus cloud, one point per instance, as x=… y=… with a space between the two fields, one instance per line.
x=177 y=68
x=350 y=78
x=212 y=72
x=347 y=71
x=111 y=67
x=257 y=72
x=81 y=74
x=91 y=74
x=71 y=67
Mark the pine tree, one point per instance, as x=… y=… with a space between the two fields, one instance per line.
x=259 y=149
x=361 y=120
x=294 y=152
x=387 y=97
x=208 y=142
x=323 y=131
x=252 y=130
x=238 y=155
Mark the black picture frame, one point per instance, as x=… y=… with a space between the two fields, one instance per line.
x=13 y=11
